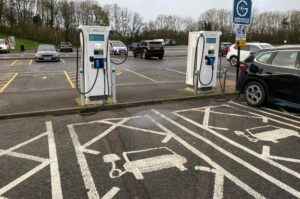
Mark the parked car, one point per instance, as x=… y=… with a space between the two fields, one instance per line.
x=272 y=75
x=232 y=54
x=162 y=41
x=149 y=48
x=47 y=52
x=66 y=47
x=118 y=48
x=225 y=48
x=4 y=46
x=170 y=42
x=132 y=46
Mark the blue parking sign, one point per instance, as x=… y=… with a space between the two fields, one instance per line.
x=242 y=10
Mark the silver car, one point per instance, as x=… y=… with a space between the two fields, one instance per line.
x=47 y=52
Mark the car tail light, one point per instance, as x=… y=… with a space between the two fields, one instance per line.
x=243 y=67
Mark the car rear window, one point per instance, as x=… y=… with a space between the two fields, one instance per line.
x=285 y=59
x=155 y=42
x=264 y=57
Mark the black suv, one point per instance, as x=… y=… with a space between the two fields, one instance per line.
x=147 y=49
x=272 y=75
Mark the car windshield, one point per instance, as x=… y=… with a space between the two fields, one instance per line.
x=266 y=46
x=46 y=48
x=117 y=44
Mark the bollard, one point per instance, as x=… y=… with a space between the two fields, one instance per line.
x=82 y=97
x=114 y=87
x=224 y=80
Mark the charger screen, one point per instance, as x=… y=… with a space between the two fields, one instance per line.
x=211 y=40
x=95 y=37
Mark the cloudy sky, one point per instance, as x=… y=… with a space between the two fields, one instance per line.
x=150 y=9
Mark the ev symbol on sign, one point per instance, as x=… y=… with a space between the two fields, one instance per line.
x=242 y=8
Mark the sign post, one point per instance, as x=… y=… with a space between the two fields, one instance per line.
x=242 y=13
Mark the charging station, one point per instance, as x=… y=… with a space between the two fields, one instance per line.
x=202 y=60
x=95 y=69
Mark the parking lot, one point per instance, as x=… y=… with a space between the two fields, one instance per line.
x=196 y=149
x=30 y=86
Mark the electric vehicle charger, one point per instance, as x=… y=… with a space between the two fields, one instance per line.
x=201 y=63
x=94 y=110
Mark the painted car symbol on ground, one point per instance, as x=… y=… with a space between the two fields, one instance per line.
x=149 y=164
x=267 y=134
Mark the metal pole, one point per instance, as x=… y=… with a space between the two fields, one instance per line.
x=82 y=97
x=238 y=64
x=114 y=87
x=224 y=80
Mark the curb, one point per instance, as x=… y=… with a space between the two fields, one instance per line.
x=77 y=110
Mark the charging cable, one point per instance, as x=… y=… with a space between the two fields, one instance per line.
x=201 y=63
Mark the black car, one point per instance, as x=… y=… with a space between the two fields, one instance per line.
x=147 y=49
x=272 y=75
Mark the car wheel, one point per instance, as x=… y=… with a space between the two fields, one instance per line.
x=134 y=55
x=233 y=61
x=161 y=57
x=255 y=94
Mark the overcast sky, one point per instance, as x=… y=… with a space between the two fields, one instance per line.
x=150 y=9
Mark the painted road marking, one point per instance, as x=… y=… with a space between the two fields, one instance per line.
x=63 y=61
x=111 y=193
x=69 y=80
x=175 y=71
x=44 y=162
x=13 y=63
x=246 y=149
x=143 y=76
x=240 y=161
x=284 y=112
x=30 y=62
x=221 y=173
x=8 y=83
x=55 y=176
x=271 y=114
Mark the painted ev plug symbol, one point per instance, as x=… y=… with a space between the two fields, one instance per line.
x=114 y=172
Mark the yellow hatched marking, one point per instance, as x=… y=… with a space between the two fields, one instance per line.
x=69 y=79
x=8 y=83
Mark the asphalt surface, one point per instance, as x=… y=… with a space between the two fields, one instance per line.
x=26 y=85
x=195 y=149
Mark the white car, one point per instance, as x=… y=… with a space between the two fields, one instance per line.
x=232 y=54
x=118 y=48
x=4 y=46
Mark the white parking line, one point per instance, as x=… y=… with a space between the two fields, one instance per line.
x=63 y=61
x=217 y=167
x=24 y=177
x=176 y=71
x=55 y=176
x=271 y=162
x=111 y=193
x=240 y=161
x=280 y=122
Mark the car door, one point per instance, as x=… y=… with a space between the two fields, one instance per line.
x=281 y=75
